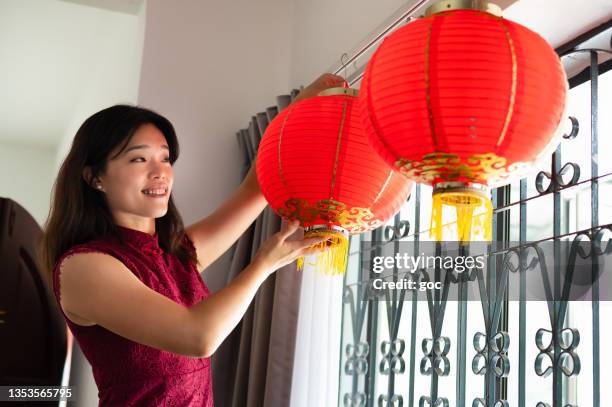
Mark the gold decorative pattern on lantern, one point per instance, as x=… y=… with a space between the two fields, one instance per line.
x=352 y=219
x=451 y=167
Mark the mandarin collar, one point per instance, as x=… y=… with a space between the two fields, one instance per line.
x=141 y=240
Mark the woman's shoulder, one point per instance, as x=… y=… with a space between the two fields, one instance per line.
x=88 y=246
x=91 y=249
x=77 y=257
x=113 y=247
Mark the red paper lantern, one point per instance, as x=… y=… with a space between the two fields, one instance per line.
x=315 y=165
x=462 y=99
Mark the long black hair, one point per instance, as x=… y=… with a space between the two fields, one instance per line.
x=79 y=212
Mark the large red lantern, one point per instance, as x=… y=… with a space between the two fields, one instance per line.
x=315 y=165
x=462 y=99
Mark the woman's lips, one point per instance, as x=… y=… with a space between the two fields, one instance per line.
x=155 y=193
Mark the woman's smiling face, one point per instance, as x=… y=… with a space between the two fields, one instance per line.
x=138 y=182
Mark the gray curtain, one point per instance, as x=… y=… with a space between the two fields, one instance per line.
x=253 y=366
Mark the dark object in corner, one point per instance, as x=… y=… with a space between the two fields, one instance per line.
x=32 y=328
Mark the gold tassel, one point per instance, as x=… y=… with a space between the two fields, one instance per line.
x=474 y=216
x=332 y=261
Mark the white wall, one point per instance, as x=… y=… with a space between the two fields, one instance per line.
x=27 y=182
x=68 y=62
x=115 y=70
x=208 y=67
x=323 y=30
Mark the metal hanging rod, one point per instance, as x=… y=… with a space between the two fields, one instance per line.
x=390 y=27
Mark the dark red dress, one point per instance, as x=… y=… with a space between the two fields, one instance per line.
x=131 y=374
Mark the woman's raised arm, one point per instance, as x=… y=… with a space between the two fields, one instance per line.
x=99 y=289
x=216 y=233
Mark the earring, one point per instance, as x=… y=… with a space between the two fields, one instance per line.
x=99 y=186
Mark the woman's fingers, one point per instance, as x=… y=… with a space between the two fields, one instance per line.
x=307 y=251
x=332 y=80
x=288 y=229
x=301 y=245
x=313 y=240
x=325 y=81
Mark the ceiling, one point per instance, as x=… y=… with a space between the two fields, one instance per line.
x=563 y=20
x=559 y=21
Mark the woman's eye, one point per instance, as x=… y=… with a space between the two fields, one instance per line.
x=133 y=160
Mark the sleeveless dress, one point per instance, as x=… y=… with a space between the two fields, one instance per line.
x=129 y=373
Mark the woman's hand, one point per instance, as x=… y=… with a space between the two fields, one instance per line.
x=277 y=251
x=325 y=81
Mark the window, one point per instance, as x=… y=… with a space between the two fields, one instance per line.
x=382 y=345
